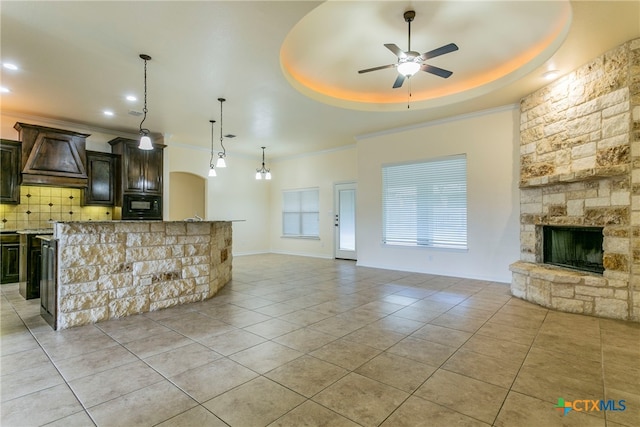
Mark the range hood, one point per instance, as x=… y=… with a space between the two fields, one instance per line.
x=51 y=156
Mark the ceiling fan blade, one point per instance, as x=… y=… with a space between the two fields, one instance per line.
x=399 y=81
x=396 y=50
x=382 y=67
x=437 y=71
x=451 y=47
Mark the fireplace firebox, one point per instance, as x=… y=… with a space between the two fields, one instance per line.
x=578 y=248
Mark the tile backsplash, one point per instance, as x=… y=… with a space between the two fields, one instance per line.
x=41 y=205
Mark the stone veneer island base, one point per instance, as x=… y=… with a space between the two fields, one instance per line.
x=111 y=269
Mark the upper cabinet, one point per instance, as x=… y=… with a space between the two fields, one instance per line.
x=52 y=156
x=101 y=172
x=140 y=170
x=10 y=171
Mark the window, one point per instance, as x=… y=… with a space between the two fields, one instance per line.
x=425 y=204
x=300 y=213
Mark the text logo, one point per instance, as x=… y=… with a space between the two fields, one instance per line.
x=588 y=405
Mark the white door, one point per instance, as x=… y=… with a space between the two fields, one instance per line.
x=345 y=220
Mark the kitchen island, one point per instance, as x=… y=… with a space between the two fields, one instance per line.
x=111 y=269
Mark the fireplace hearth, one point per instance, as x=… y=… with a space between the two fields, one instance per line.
x=577 y=248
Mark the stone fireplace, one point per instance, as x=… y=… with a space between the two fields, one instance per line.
x=580 y=170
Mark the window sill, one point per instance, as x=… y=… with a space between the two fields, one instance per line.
x=433 y=247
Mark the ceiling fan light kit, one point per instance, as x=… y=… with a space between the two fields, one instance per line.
x=408 y=68
x=410 y=62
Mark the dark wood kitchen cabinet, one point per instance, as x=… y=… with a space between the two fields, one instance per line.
x=48 y=281
x=10 y=164
x=140 y=170
x=101 y=172
x=9 y=258
x=30 y=265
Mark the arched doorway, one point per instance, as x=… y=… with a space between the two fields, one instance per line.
x=186 y=196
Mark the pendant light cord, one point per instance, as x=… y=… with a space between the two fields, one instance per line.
x=224 y=152
x=263 y=173
x=144 y=110
x=211 y=159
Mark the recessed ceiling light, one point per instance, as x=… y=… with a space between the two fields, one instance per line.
x=551 y=74
x=4 y=89
x=108 y=113
x=131 y=98
x=9 y=66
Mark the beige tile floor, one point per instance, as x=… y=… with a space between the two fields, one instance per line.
x=296 y=341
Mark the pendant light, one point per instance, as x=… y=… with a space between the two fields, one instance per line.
x=145 y=141
x=221 y=163
x=263 y=172
x=212 y=169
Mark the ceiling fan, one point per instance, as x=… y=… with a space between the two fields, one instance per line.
x=410 y=62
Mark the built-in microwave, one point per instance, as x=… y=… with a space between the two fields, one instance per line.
x=136 y=206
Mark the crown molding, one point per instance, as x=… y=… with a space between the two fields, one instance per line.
x=466 y=116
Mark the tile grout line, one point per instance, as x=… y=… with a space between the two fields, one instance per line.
x=66 y=383
x=524 y=359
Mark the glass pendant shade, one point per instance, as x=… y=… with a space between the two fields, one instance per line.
x=258 y=175
x=221 y=163
x=267 y=175
x=212 y=172
x=145 y=143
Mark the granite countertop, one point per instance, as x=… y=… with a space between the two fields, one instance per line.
x=35 y=231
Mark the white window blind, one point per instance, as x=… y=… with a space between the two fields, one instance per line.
x=300 y=213
x=425 y=204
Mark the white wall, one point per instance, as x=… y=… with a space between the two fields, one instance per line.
x=232 y=195
x=321 y=170
x=490 y=141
